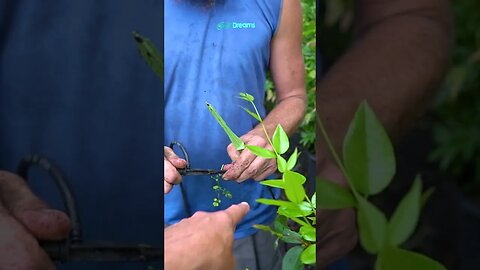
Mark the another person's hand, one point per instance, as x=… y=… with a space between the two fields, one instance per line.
x=24 y=219
x=247 y=165
x=171 y=162
x=336 y=231
x=204 y=241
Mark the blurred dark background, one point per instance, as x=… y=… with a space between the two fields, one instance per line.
x=444 y=147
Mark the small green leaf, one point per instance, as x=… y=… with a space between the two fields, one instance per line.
x=261 y=152
x=150 y=54
x=274 y=183
x=400 y=259
x=290 y=176
x=332 y=195
x=254 y=115
x=291 y=260
x=236 y=141
x=405 y=218
x=280 y=140
x=294 y=210
x=308 y=233
x=308 y=255
x=292 y=161
x=281 y=164
x=246 y=96
x=368 y=153
x=372 y=226
x=314 y=200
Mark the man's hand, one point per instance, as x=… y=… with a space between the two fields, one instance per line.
x=171 y=162
x=245 y=164
x=203 y=241
x=336 y=231
x=23 y=220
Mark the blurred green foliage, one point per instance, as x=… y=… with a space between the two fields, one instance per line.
x=457 y=108
x=307 y=129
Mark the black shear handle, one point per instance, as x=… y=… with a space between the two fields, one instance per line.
x=184 y=152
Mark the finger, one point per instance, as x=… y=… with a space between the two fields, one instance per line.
x=232 y=152
x=269 y=169
x=239 y=165
x=257 y=166
x=167 y=187
x=43 y=223
x=170 y=173
x=237 y=212
x=173 y=158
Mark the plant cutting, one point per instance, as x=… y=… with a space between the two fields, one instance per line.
x=298 y=207
x=368 y=165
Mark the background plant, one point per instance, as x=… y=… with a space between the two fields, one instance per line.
x=369 y=166
x=298 y=207
x=307 y=128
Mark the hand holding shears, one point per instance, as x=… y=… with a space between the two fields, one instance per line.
x=175 y=167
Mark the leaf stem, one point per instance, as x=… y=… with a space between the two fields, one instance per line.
x=335 y=156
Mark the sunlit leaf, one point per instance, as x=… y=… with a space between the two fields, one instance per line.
x=236 y=141
x=280 y=140
x=308 y=255
x=254 y=115
x=274 y=183
x=261 y=152
x=290 y=176
x=281 y=164
x=308 y=233
x=246 y=96
x=292 y=160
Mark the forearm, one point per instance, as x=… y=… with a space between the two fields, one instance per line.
x=396 y=66
x=288 y=112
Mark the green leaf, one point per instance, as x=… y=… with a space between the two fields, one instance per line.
x=372 y=226
x=280 y=223
x=274 y=183
x=308 y=233
x=280 y=140
x=292 y=161
x=332 y=195
x=291 y=260
x=261 y=152
x=400 y=259
x=246 y=96
x=295 y=210
x=236 y=141
x=404 y=219
x=281 y=164
x=276 y=202
x=150 y=54
x=308 y=255
x=368 y=153
x=296 y=177
x=314 y=200
x=267 y=229
x=254 y=115
x=293 y=188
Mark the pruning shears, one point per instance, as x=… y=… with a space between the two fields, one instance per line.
x=189 y=171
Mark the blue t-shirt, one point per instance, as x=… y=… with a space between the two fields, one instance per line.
x=213 y=52
x=74 y=88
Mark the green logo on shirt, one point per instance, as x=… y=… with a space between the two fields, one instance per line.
x=235 y=25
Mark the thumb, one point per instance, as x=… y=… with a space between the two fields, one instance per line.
x=43 y=223
x=237 y=212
